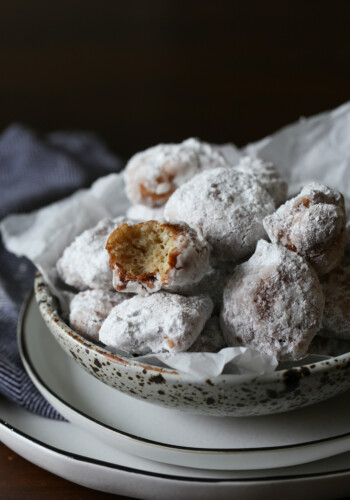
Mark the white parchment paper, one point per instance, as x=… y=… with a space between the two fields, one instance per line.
x=317 y=148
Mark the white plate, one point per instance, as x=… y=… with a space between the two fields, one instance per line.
x=69 y=452
x=172 y=436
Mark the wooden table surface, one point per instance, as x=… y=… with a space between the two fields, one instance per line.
x=139 y=73
x=20 y=479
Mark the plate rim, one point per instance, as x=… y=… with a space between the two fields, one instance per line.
x=8 y=427
x=39 y=382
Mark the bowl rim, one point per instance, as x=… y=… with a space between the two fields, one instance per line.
x=46 y=301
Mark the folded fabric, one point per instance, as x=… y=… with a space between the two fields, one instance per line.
x=36 y=170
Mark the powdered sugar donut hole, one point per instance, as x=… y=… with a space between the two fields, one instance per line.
x=85 y=262
x=160 y=322
x=267 y=174
x=151 y=176
x=227 y=206
x=313 y=225
x=273 y=303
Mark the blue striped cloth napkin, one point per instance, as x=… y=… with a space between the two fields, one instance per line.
x=36 y=170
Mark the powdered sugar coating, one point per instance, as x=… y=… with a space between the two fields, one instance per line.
x=211 y=339
x=227 y=206
x=336 y=317
x=273 y=303
x=90 y=308
x=212 y=284
x=313 y=225
x=161 y=322
x=151 y=176
x=187 y=262
x=143 y=212
x=85 y=263
x=267 y=174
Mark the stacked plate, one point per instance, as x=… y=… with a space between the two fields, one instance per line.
x=123 y=445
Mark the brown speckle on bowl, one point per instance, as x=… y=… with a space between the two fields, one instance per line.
x=157 y=379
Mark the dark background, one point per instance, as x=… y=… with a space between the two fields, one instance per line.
x=142 y=72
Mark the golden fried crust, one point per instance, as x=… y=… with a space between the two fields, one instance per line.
x=152 y=176
x=159 y=199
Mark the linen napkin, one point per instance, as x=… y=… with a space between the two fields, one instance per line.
x=36 y=170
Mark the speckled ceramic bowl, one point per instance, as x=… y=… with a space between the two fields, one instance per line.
x=225 y=395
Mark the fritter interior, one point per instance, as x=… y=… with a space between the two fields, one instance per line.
x=143 y=250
